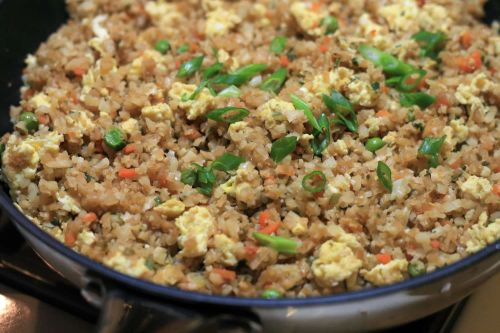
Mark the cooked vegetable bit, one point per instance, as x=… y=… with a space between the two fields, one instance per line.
x=190 y=67
x=342 y=109
x=30 y=121
x=374 y=144
x=162 y=46
x=330 y=23
x=384 y=175
x=430 y=148
x=422 y=100
x=275 y=81
x=278 y=44
x=228 y=114
x=280 y=244
x=431 y=43
x=281 y=148
x=314 y=182
x=115 y=139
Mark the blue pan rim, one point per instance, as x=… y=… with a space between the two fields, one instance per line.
x=173 y=293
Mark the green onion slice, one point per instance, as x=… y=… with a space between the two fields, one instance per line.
x=314 y=182
x=271 y=294
x=162 y=46
x=228 y=114
x=330 y=23
x=213 y=70
x=240 y=76
x=183 y=48
x=300 y=104
x=422 y=100
x=342 y=109
x=281 y=148
x=384 y=175
x=280 y=244
x=322 y=137
x=431 y=43
x=275 y=81
x=278 y=44
x=227 y=162
x=231 y=91
x=409 y=82
x=430 y=148
x=190 y=67
x=389 y=63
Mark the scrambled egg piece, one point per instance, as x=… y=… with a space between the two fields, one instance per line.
x=164 y=15
x=118 y=261
x=195 y=108
x=373 y=32
x=361 y=93
x=470 y=94
x=480 y=235
x=477 y=187
x=373 y=124
x=195 y=227
x=296 y=223
x=244 y=184
x=22 y=157
x=68 y=203
x=168 y=275
x=136 y=66
x=259 y=10
x=171 y=208
x=31 y=60
x=335 y=263
x=390 y=138
x=40 y=100
x=434 y=17
x=158 y=112
x=209 y=5
x=274 y=115
x=226 y=247
x=229 y=62
x=130 y=126
x=336 y=79
x=389 y=273
x=339 y=235
x=308 y=20
x=220 y=22
x=86 y=237
x=340 y=147
x=341 y=183
x=400 y=16
x=455 y=133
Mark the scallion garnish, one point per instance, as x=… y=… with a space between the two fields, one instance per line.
x=281 y=148
x=240 y=76
x=183 y=48
x=271 y=294
x=330 y=23
x=314 y=182
x=322 y=137
x=390 y=64
x=422 y=100
x=300 y=104
x=342 y=109
x=162 y=46
x=231 y=91
x=431 y=43
x=430 y=149
x=275 y=81
x=227 y=162
x=212 y=70
x=280 y=244
x=384 y=175
x=190 y=67
x=278 y=44
x=228 y=114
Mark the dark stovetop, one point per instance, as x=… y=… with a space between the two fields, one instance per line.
x=23 y=271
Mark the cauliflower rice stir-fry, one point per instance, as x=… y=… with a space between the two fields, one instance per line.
x=270 y=148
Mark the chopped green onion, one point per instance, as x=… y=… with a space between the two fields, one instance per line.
x=202 y=178
x=190 y=67
x=411 y=81
x=185 y=97
x=410 y=116
x=162 y=46
x=30 y=121
x=422 y=100
x=322 y=137
x=300 y=104
x=431 y=43
x=278 y=44
x=375 y=86
x=374 y=144
x=158 y=200
x=240 y=76
x=227 y=162
x=343 y=110
x=212 y=70
x=314 y=182
x=271 y=294
x=115 y=139
x=389 y=63
x=231 y=91
x=228 y=114
x=280 y=244
x=149 y=263
x=416 y=268
x=384 y=175
x=430 y=148
x=281 y=148
x=330 y=23
x=275 y=81
x=189 y=176
x=183 y=48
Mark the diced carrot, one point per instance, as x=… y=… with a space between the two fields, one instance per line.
x=225 y=274
x=496 y=189
x=383 y=114
x=373 y=32
x=127 y=173
x=69 y=237
x=420 y=3
x=316 y=6
x=263 y=217
x=251 y=250
x=192 y=133
x=442 y=100
x=435 y=244
x=193 y=47
x=469 y=64
x=319 y=194
x=79 y=71
x=89 y=218
x=271 y=227
x=129 y=149
x=43 y=119
x=177 y=64
x=284 y=61
x=466 y=39
x=384 y=258
x=384 y=88
x=323 y=47
x=456 y=164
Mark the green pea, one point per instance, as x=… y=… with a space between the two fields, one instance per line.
x=330 y=23
x=162 y=46
x=374 y=144
x=271 y=294
x=416 y=268
x=30 y=121
x=115 y=139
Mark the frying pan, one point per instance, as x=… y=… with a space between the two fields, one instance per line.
x=132 y=305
